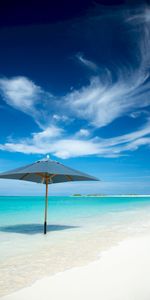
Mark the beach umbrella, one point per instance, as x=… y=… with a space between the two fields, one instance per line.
x=46 y=171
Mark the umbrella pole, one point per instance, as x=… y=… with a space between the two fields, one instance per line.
x=46 y=206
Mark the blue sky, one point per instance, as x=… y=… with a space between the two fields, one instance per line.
x=78 y=88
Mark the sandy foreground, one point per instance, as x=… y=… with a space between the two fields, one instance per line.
x=121 y=273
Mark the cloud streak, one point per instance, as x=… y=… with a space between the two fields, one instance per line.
x=86 y=62
x=122 y=89
x=53 y=140
x=24 y=95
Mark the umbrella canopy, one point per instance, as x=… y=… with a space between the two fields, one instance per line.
x=46 y=171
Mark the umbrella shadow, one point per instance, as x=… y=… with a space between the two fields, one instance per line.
x=34 y=228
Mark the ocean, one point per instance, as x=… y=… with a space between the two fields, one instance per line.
x=79 y=229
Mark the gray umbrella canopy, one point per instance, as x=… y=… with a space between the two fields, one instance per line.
x=46 y=171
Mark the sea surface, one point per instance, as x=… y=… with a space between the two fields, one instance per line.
x=79 y=229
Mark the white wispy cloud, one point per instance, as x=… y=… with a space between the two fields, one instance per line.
x=39 y=142
x=43 y=142
x=49 y=133
x=86 y=62
x=20 y=93
x=136 y=114
x=99 y=103
x=104 y=99
x=24 y=95
x=82 y=133
x=61 y=118
x=53 y=140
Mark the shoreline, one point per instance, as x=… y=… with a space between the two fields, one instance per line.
x=122 y=272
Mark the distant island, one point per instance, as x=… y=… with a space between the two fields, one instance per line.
x=107 y=195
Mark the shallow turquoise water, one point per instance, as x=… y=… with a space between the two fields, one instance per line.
x=19 y=210
x=22 y=217
x=78 y=212
x=25 y=215
x=79 y=228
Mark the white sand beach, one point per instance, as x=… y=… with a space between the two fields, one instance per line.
x=121 y=273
